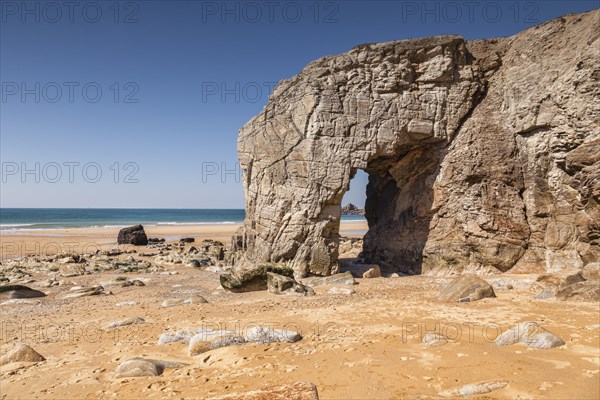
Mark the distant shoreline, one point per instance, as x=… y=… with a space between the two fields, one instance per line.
x=81 y=240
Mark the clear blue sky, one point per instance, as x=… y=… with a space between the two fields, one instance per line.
x=171 y=60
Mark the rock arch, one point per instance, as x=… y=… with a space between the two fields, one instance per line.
x=462 y=141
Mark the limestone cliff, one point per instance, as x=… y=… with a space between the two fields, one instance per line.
x=482 y=155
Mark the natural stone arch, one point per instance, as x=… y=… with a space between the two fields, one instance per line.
x=445 y=130
x=367 y=109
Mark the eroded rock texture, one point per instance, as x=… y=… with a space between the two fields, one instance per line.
x=482 y=155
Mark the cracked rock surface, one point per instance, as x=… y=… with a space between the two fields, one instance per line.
x=483 y=156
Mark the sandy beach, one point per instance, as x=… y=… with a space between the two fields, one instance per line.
x=45 y=242
x=367 y=345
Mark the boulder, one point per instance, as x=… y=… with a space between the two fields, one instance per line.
x=18 y=292
x=466 y=287
x=292 y=391
x=253 y=278
x=580 y=291
x=21 y=353
x=133 y=235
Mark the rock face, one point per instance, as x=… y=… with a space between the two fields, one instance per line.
x=351 y=209
x=482 y=155
x=133 y=235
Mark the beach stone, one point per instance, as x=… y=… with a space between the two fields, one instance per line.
x=133 y=235
x=280 y=284
x=432 y=339
x=225 y=341
x=266 y=335
x=202 y=341
x=580 y=291
x=19 y=292
x=126 y=303
x=184 y=335
x=494 y=180
x=473 y=389
x=531 y=334
x=21 y=302
x=21 y=353
x=85 y=291
x=344 y=278
x=191 y=299
x=466 y=287
x=292 y=391
x=139 y=367
x=591 y=272
x=374 y=272
x=341 y=290
x=253 y=278
x=125 y=322
x=69 y=270
x=187 y=240
x=555 y=281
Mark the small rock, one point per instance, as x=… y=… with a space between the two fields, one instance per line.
x=344 y=278
x=137 y=367
x=86 y=291
x=341 y=290
x=466 y=287
x=182 y=335
x=187 y=240
x=125 y=322
x=475 y=388
x=268 y=335
x=126 y=303
x=21 y=353
x=70 y=269
x=202 y=341
x=530 y=334
x=432 y=339
x=231 y=340
x=292 y=391
x=20 y=301
x=280 y=284
x=374 y=272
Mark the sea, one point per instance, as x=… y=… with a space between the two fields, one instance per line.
x=13 y=220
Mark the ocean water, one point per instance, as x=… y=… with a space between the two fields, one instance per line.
x=16 y=219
